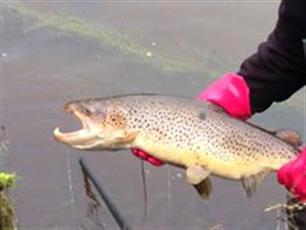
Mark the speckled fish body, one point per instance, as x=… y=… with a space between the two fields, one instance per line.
x=182 y=132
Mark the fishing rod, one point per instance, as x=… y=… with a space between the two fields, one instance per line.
x=112 y=208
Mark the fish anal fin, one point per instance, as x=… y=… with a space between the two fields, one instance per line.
x=204 y=188
x=291 y=137
x=251 y=183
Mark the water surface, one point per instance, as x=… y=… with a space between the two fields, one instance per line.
x=44 y=68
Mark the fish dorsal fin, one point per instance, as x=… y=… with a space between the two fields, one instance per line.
x=291 y=137
x=251 y=183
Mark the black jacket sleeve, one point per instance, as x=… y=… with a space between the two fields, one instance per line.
x=278 y=69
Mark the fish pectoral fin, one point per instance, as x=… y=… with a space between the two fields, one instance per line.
x=291 y=137
x=251 y=183
x=125 y=137
x=198 y=177
x=121 y=137
x=204 y=188
x=129 y=137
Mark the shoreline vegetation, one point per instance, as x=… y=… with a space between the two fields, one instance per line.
x=7 y=181
x=7 y=211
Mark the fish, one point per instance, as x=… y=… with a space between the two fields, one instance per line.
x=195 y=135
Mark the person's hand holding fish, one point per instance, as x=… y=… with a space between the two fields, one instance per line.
x=293 y=176
x=209 y=136
x=231 y=93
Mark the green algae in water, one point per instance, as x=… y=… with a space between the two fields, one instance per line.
x=208 y=64
x=115 y=39
x=7 y=213
x=7 y=180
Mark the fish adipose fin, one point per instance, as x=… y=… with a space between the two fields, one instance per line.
x=251 y=183
x=198 y=177
x=291 y=137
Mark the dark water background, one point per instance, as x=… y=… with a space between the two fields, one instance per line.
x=41 y=69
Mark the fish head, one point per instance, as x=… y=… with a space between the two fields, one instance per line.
x=102 y=126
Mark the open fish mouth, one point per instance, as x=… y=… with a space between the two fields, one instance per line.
x=82 y=138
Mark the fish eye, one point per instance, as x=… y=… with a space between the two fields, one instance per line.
x=87 y=111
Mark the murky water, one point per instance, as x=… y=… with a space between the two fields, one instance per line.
x=44 y=68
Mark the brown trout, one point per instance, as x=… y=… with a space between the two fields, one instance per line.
x=197 y=136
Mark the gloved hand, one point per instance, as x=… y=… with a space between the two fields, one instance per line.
x=147 y=157
x=232 y=94
x=293 y=176
x=229 y=92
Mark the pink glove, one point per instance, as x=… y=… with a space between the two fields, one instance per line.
x=147 y=157
x=293 y=176
x=229 y=92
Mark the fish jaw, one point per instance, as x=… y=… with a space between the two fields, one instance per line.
x=89 y=137
x=81 y=139
x=96 y=133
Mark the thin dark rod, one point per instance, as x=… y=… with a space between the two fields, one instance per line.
x=112 y=208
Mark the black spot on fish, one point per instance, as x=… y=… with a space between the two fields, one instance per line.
x=202 y=115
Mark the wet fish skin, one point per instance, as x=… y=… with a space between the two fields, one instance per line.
x=180 y=131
